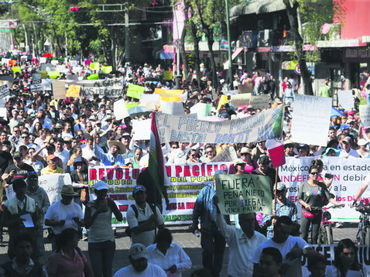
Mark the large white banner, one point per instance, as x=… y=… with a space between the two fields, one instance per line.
x=311 y=119
x=108 y=87
x=345 y=99
x=348 y=173
x=185 y=183
x=265 y=125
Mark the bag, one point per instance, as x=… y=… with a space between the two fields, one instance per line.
x=154 y=210
x=308 y=215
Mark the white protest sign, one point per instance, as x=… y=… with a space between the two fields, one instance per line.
x=349 y=174
x=42 y=60
x=119 y=109
x=54 y=62
x=262 y=126
x=365 y=115
x=172 y=108
x=151 y=101
x=4 y=91
x=345 y=99
x=141 y=129
x=201 y=109
x=53 y=183
x=260 y=101
x=311 y=119
x=3 y=108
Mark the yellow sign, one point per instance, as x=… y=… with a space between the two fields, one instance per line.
x=222 y=101
x=73 y=91
x=168 y=75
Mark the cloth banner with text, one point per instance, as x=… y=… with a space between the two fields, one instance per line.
x=186 y=181
x=265 y=125
x=108 y=87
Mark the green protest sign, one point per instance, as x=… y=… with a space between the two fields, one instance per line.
x=54 y=74
x=131 y=105
x=16 y=69
x=94 y=66
x=93 y=77
x=135 y=91
x=107 y=69
x=243 y=193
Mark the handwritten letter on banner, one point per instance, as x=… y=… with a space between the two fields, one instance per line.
x=243 y=193
x=263 y=126
x=311 y=119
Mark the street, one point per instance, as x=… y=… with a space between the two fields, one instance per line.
x=186 y=240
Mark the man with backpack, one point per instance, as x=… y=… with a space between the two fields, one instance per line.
x=143 y=218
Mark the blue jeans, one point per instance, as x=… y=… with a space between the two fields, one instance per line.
x=101 y=256
x=213 y=251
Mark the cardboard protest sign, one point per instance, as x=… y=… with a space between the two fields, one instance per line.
x=107 y=87
x=240 y=100
x=73 y=91
x=59 y=89
x=141 y=129
x=248 y=88
x=262 y=126
x=365 y=115
x=243 y=193
x=168 y=75
x=186 y=182
x=226 y=155
x=311 y=119
x=53 y=183
x=151 y=101
x=107 y=69
x=345 y=99
x=173 y=108
x=135 y=91
x=120 y=110
x=4 y=91
x=260 y=101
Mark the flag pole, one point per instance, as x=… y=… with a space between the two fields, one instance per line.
x=275 y=190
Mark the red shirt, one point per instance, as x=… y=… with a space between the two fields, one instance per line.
x=61 y=265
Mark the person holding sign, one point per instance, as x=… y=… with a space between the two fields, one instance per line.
x=242 y=241
x=114 y=156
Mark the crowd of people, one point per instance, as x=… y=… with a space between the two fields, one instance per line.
x=41 y=135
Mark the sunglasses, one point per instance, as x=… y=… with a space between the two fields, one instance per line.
x=314 y=173
x=24 y=137
x=209 y=152
x=194 y=156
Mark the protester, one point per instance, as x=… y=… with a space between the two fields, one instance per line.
x=64 y=214
x=139 y=265
x=291 y=248
x=270 y=262
x=143 y=219
x=345 y=261
x=68 y=259
x=242 y=242
x=265 y=169
x=316 y=264
x=17 y=169
x=283 y=207
x=52 y=166
x=22 y=263
x=212 y=241
x=168 y=255
x=98 y=219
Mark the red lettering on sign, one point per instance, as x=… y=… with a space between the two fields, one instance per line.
x=110 y=172
x=127 y=174
x=181 y=206
x=178 y=170
x=231 y=171
x=196 y=170
x=189 y=205
x=203 y=166
x=119 y=173
x=92 y=174
x=118 y=196
x=168 y=169
x=215 y=167
x=135 y=173
x=101 y=173
x=186 y=171
x=209 y=170
x=172 y=206
x=123 y=208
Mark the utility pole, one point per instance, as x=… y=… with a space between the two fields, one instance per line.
x=229 y=72
x=127 y=35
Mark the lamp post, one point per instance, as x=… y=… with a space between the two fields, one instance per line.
x=229 y=73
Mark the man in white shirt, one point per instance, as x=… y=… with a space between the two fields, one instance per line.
x=243 y=242
x=347 y=151
x=291 y=248
x=178 y=156
x=168 y=255
x=142 y=218
x=61 y=153
x=139 y=266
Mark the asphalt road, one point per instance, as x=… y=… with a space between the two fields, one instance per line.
x=188 y=241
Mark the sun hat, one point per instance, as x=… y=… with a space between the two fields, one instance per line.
x=67 y=190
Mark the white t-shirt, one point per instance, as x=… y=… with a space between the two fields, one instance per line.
x=150 y=271
x=352 y=153
x=284 y=247
x=59 y=211
x=146 y=238
x=64 y=156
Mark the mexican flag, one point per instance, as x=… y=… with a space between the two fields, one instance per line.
x=156 y=168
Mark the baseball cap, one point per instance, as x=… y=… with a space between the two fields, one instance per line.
x=51 y=157
x=100 y=185
x=138 y=251
x=139 y=188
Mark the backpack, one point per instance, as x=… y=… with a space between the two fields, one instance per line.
x=152 y=207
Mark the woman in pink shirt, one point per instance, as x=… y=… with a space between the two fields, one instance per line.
x=68 y=259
